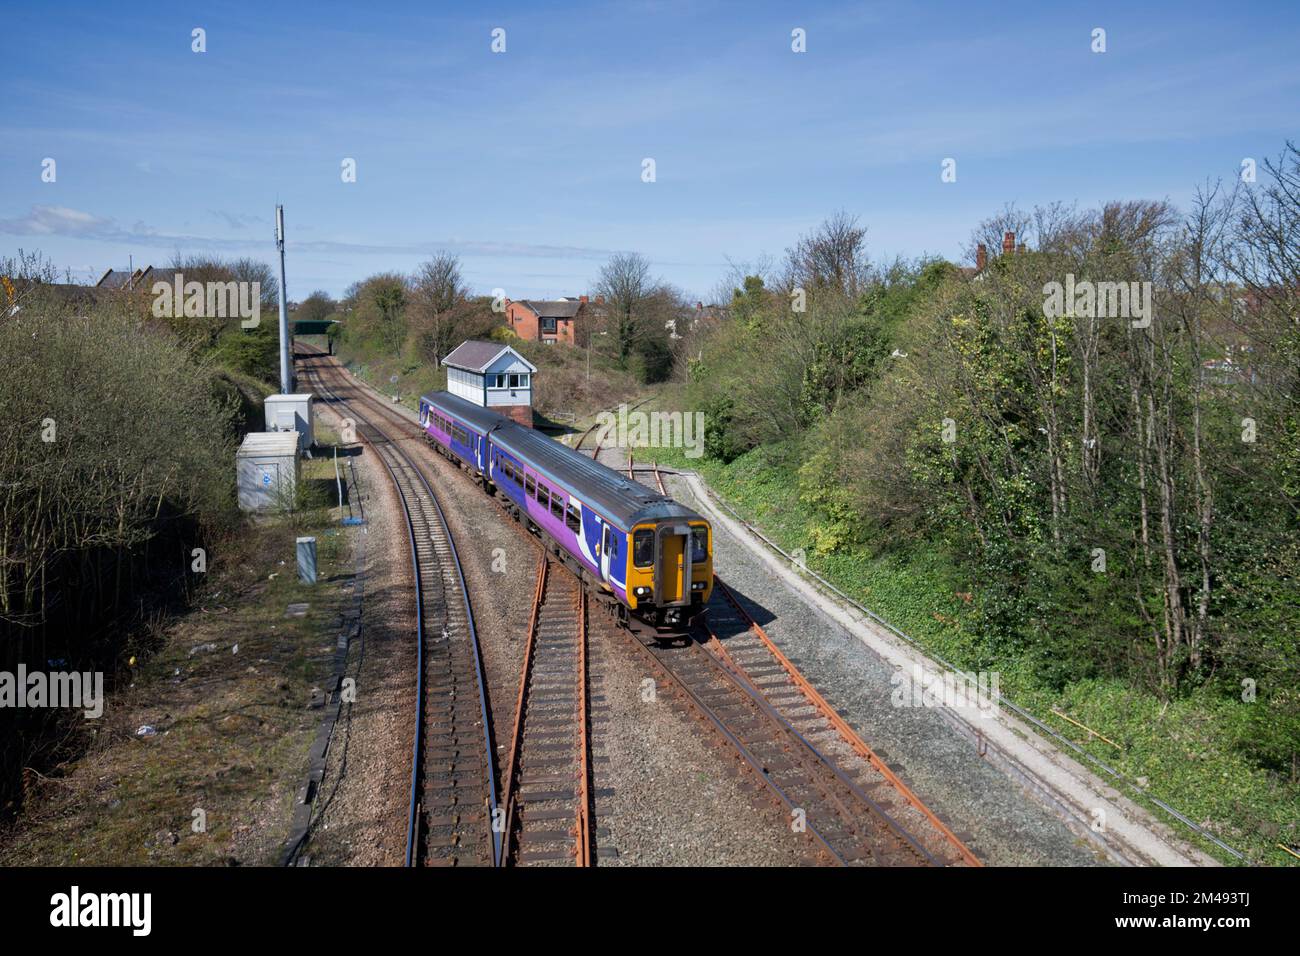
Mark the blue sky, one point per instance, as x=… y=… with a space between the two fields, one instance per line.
x=527 y=164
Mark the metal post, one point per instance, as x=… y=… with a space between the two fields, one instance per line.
x=306 y=548
x=286 y=370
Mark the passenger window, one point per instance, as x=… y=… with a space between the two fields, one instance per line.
x=530 y=486
x=542 y=496
x=643 y=549
x=557 y=506
x=574 y=519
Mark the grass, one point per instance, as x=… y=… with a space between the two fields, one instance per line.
x=226 y=688
x=404 y=376
x=1181 y=752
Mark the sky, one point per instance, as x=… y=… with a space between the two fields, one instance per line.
x=529 y=164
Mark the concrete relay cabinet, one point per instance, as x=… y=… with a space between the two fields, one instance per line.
x=291 y=413
x=267 y=470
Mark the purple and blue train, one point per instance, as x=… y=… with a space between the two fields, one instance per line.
x=648 y=557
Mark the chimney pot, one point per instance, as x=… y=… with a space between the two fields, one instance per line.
x=1008 y=243
x=1022 y=248
x=582 y=299
x=981 y=257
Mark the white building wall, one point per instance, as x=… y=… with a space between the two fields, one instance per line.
x=471 y=385
x=466 y=385
x=508 y=364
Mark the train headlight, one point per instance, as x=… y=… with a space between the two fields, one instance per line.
x=698 y=585
x=641 y=592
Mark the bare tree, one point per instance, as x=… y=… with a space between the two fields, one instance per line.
x=439 y=303
x=627 y=288
x=832 y=258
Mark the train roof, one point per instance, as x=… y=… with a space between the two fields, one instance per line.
x=616 y=496
x=481 y=418
x=598 y=486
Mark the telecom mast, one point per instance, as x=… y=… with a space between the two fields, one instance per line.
x=286 y=370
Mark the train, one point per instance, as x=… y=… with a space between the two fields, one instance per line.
x=648 y=558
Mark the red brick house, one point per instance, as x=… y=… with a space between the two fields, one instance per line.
x=549 y=320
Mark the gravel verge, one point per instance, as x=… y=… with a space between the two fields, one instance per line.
x=1005 y=825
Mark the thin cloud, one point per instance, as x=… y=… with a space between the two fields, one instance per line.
x=42 y=220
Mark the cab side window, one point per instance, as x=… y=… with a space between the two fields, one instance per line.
x=699 y=544
x=643 y=549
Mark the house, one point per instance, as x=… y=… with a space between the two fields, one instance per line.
x=492 y=375
x=547 y=320
x=1009 y=248
x=119 y=280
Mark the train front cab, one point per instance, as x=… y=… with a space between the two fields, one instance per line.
x=670 y=573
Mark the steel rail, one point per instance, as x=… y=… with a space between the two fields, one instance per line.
x=417 y=763
x=741 y=748
x=584 y=814
x=582 y=826
x=846 y=732
x=832 y=716
x=517 y=734
x=733 y=671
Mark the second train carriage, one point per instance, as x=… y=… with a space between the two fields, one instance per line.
x=652 y=556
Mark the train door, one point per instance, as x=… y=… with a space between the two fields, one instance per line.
x=606 y=539
x=672 y=582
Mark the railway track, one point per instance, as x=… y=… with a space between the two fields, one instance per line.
x=548 y=779
x=594 y=451
x=855 y=807
x=847 y=802
x=452 y=815
x=546 y=812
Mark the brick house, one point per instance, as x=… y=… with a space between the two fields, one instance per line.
x=549 y=321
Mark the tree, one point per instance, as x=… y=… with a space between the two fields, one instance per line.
x=627 y=288
x=440 y=306
x=317 y=307
x=831 y=259
x=377 y=306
